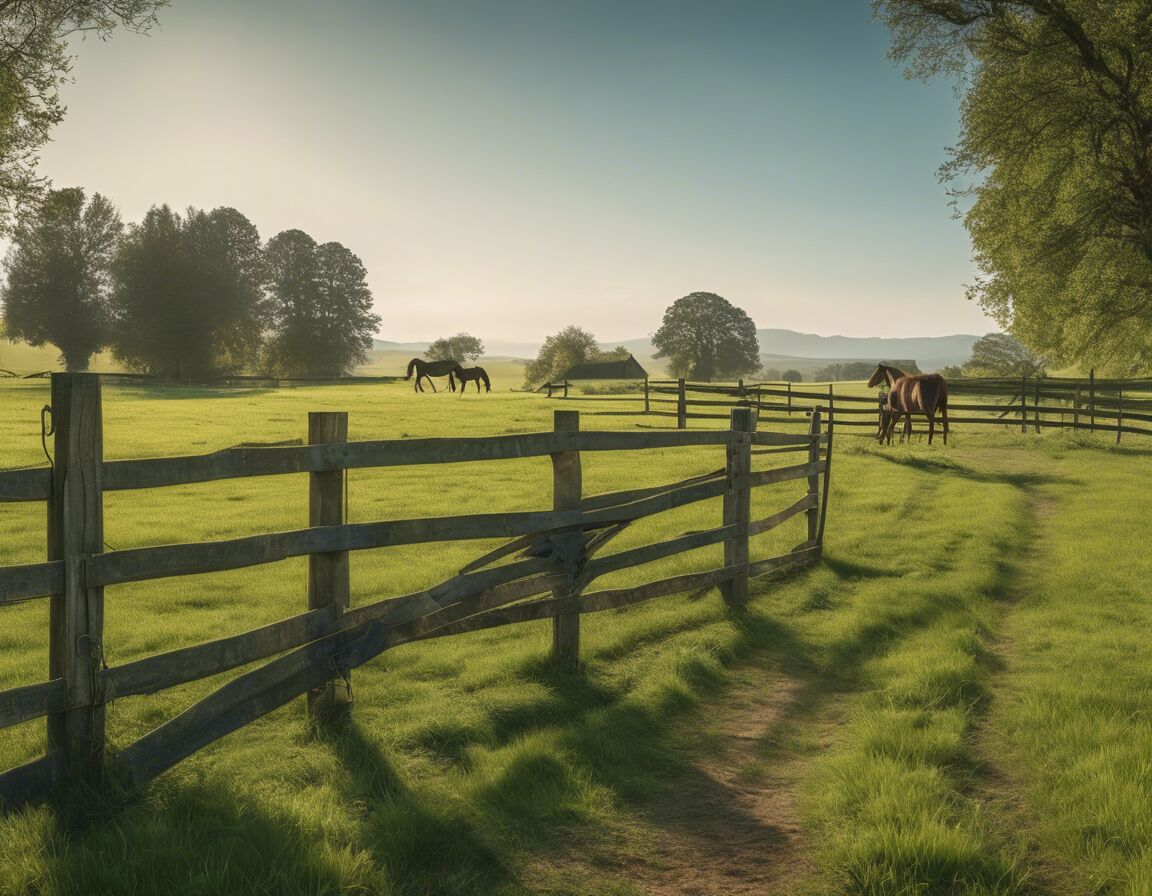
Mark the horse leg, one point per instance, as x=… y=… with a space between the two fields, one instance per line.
x=944 y=423
x=931 y=426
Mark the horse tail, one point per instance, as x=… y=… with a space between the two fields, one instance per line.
x=484 y=376
x=411 y=368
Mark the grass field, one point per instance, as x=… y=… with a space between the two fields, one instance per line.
x=956 y=700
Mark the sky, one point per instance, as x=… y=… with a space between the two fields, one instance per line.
x=509 y=167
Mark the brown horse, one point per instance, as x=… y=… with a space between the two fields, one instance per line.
x=908 y=395
x=468 y=375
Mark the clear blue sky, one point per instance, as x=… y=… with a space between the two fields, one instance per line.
x=512 y=166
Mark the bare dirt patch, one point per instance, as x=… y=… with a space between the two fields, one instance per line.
x=731 y=825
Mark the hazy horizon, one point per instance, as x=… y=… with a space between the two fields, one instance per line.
x=513 y=170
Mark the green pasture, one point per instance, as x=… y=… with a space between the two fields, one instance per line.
x=970 y=695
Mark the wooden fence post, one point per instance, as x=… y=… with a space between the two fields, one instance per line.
x=566 y=495
x=328 y=575
x=1092 y=397
x=681 y=405
x=1119 y=412
x=565 y=388
x=1076 y=408
x=740 y=388
x=738 y=505
x=827 y=477
x=814 y=479
x=1036 y=404
x=1024 y=403
x=76 y=529
x=789 y=399
x=647 y=406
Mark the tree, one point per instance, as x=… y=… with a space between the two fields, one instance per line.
x=705 y=337
x=1056 y=146
x=57 y=284
x=461 y=347
x=999 y=354
x=188 y=293
x=770 y=374
x=321 y=307
x=571 y=346
x=849 y=370
x=792 y=376
x=34 y=62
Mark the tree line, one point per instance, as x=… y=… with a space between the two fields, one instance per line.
x=182 y=295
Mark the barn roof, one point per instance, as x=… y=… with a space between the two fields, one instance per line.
x=628 y=369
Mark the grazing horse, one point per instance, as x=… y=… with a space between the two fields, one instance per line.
x=471 y=375
x=428 y=369
x=908 y=395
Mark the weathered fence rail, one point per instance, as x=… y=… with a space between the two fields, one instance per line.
x=542 y=572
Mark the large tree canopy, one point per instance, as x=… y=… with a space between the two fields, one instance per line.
x=1056 y=155
x=188 y=295
x=321 y=307
x=706 y=337
x=56 y=289
x=34 y=62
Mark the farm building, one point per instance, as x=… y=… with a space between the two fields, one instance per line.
x=628 y=369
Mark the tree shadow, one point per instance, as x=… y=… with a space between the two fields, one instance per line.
x=1023 y=480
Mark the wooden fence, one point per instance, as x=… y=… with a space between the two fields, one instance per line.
x=1028 y=403
x=542 y=572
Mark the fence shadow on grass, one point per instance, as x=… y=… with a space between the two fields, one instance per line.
x=204 y=838
x=186 y=393
x=422 y=846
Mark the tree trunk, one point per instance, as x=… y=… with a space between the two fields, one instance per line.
x=76 y=360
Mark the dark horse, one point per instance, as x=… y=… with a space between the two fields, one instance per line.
x=907 y=395
x=428 y=369
x=471 y=375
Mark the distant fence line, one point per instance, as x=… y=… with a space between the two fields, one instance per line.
x=224 y=380
x=559 y=555
x=1097 y=405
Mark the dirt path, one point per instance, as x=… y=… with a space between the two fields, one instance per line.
x=731 y=825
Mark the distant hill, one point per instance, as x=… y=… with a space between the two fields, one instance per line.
x=783 y=347
x=930 y=352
